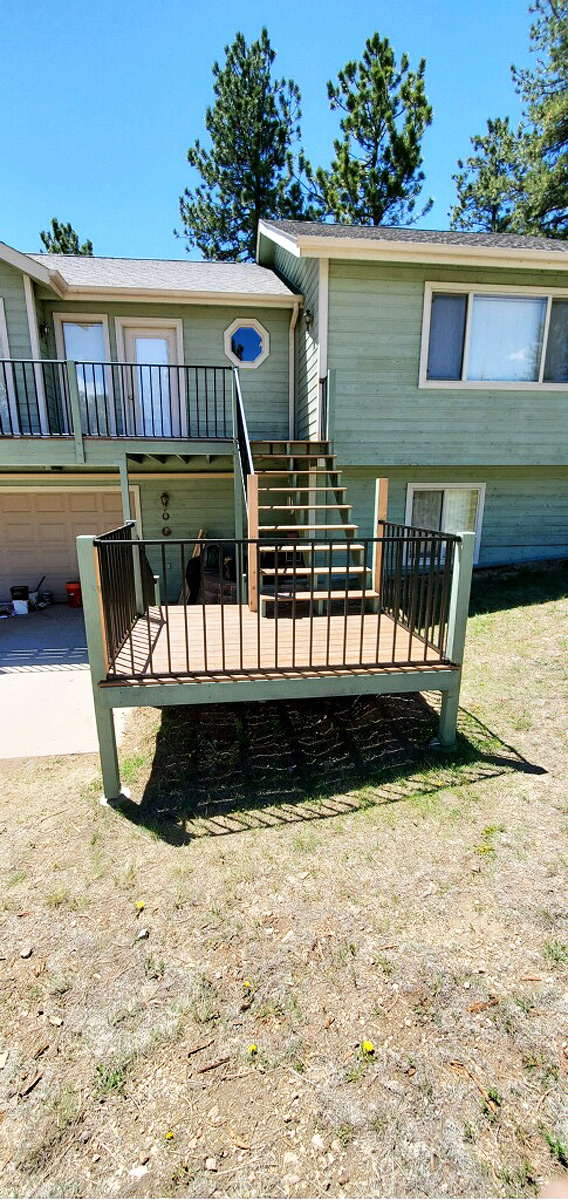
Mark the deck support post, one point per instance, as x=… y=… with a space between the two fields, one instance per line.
x=94 y=629
x=76 y=419
x=457 y=623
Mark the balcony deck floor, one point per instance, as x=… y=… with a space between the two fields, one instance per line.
x=176 y=650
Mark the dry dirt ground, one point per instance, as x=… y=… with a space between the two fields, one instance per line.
x=354 y=980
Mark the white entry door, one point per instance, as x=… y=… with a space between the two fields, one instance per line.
x=152 y=384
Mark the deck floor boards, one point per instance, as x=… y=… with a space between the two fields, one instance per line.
x=257 y=646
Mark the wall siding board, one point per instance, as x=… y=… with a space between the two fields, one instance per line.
x=12 y=292
x=302 y=274
x=525 y=517
x=375 y=328
x=265 y=390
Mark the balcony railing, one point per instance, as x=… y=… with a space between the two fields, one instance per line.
x=55 y=398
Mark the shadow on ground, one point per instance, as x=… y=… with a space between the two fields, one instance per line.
x=231 y=768
x=518 y=587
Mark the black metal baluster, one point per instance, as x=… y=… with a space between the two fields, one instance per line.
x=165 y=577
x=184 y=601
x=312 y=589
x=345 y=607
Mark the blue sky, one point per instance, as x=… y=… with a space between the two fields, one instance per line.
x=99 y=99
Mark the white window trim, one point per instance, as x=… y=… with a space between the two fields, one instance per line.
x=59 y=320
x=156 y=325
x=470 y=289
x=121 y=324
x=232 y=328
x=442 y=487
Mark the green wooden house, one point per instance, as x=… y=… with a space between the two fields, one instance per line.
x=274 y=477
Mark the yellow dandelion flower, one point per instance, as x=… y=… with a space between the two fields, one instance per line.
x=367 y=1048
x=169 y=1135
x=247 y=984
x=140 y=905
x=252 y=1049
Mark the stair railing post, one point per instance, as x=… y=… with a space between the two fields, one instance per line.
x=253 y=548
x=380 y=516
x=457 y=625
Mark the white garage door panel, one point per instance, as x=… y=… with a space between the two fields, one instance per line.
x=38 y=531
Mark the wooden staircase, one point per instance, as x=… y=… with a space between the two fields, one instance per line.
x=298 y=498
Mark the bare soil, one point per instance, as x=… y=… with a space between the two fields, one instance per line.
x=355 y=975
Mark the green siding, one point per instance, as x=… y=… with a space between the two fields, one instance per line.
x=265 y=390
x=194 y=504
x=380 y=413
x=302 y=274
x=12 y=292
x=525 y=517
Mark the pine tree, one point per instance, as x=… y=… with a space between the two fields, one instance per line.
x=251 y=170
x=544 y=92
x=376 y=177
x=62 y=239
x=489 y=184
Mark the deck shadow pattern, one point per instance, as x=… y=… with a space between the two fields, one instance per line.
x=226 y=769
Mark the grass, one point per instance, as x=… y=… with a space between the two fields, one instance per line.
x=314 y=878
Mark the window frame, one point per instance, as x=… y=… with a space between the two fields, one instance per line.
x=263 y=333
x=480 y=488
x=79 y=318
x=491 y=289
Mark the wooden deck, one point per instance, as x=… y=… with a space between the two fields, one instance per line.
x=230 y=642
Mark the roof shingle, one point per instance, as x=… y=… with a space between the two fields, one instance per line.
x=165 y=275
x=390 y=233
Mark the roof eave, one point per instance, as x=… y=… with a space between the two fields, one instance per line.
x=47 y=276
x=427 y=252
x=247 y=299
x=310 y=246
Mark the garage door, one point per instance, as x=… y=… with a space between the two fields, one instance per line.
x=38 y=531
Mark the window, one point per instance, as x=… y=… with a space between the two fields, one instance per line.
x=84 y=340
x=484 y=337
x=446 y=508
x=247 y=343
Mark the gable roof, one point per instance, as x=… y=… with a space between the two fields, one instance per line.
x=179 y=279
x=318 y=239
x=42 y=273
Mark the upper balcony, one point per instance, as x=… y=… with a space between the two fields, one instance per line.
x=89 y=410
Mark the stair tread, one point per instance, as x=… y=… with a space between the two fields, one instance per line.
x=290 y=572
x=319 y=487
x=356 y=594
x=314 y=471
x=302 y=507
x=307 y=546
x=293 y=528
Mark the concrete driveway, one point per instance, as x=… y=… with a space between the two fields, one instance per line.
x=46 y=703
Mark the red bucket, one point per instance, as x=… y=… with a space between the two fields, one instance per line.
x=74 y=599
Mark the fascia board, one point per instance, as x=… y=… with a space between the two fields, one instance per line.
x=219 y=299
x=357 y=249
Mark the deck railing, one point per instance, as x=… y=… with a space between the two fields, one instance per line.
x=322 y=605
x=127 y=584
x=56 y=398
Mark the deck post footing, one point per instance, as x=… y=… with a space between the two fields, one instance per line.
x=113 y=801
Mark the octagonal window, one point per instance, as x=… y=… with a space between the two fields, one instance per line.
x=246 y=343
